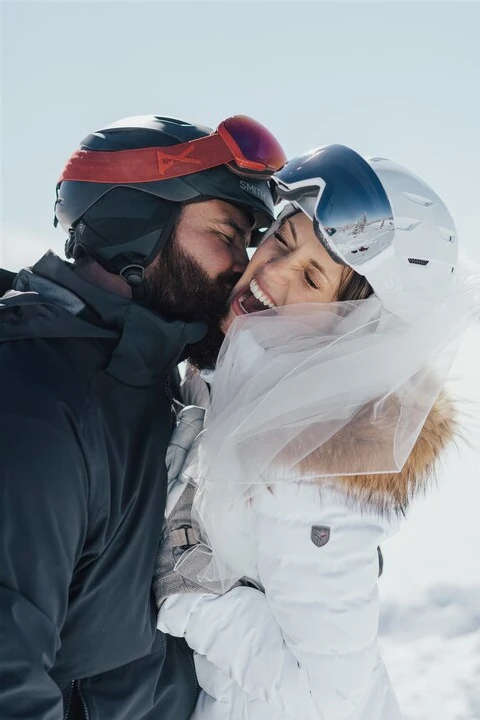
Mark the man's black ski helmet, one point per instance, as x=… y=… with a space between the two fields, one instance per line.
x=124 y=225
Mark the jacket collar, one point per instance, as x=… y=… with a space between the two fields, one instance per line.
x=148 y=346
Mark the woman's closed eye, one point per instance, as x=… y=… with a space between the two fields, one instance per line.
x=282 y=240
x=312 y=281
x=312 y=277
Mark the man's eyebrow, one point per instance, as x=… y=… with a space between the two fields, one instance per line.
x=234 y=226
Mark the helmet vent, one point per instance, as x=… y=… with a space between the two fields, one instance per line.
x=417 y=261
x=407 y=224
x=447 y=234
x=419 y=199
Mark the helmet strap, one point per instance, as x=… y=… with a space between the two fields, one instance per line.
x=134 y=275
x=140 y=295
x=70 y=244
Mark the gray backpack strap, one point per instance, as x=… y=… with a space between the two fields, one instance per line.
x=183 y=444
x=178 y=536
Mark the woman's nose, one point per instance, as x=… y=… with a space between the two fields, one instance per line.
x=278 y=269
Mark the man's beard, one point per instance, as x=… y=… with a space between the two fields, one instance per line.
x=179 y=289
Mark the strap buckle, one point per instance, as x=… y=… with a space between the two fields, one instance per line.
x=184 y=537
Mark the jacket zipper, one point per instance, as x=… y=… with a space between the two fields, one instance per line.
x=69 y=701
x=167 y=386
x=82 y=702
x=76 y=684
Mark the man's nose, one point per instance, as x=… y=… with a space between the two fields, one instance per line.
x=240 y=260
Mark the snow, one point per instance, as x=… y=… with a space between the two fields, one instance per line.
x=430 y=589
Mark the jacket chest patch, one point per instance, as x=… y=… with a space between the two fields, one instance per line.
x=320 y=535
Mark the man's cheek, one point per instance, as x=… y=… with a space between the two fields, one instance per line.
x=217 y=266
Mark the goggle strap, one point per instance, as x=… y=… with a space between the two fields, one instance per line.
x=147 y=164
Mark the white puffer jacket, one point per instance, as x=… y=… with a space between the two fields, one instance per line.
x=306 y=647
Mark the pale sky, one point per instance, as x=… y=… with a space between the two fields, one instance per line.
x=399 y=80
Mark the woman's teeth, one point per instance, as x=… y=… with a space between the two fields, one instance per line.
x=255 y=290
x=255 y=300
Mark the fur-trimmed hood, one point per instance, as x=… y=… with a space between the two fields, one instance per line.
x=391 y=491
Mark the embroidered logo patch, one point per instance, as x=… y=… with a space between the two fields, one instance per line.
x=320 y=535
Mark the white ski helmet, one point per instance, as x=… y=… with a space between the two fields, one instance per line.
x=379 y=218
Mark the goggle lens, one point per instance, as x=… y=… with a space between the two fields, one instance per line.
x=252 y=144
x=344 y=197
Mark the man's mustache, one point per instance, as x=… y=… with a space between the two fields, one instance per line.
x=229 y=279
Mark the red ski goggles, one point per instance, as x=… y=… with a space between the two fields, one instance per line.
x=239 y=142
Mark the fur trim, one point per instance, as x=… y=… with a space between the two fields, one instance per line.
x=385 y=492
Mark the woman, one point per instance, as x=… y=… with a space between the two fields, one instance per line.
x=327 y=416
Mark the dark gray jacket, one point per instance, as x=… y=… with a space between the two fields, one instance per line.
x=85 y=419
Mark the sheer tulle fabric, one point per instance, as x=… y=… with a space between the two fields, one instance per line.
x=297 y=388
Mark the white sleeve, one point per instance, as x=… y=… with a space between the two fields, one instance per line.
x=309 y=643
x=237 y=633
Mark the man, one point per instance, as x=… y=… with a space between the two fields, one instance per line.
x=158 y=225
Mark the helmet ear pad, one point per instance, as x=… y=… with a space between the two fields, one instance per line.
x=124 y=227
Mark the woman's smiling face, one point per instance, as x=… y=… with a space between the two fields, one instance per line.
x=291 y=266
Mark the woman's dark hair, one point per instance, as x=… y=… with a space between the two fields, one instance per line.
x=353 y=286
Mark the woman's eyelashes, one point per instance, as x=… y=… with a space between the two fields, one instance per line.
x=312 y=282
x=282 y=240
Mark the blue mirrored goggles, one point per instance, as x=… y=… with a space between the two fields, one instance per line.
x=343 y=196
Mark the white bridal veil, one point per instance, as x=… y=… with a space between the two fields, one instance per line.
x=297 y=387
